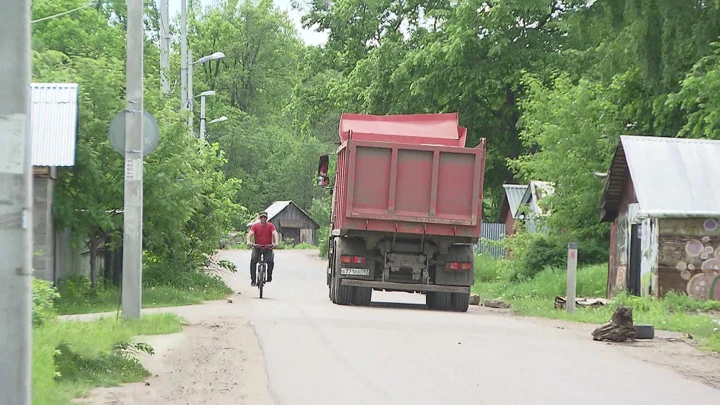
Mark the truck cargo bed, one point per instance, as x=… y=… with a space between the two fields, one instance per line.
x=407 y=188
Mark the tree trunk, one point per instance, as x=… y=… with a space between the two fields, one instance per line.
x=619 y=329
x=108 y=263
x=93 y=264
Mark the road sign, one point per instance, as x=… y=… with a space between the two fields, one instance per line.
x=151 y=133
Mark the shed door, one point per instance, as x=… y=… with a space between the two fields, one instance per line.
x=291 y=233
x=634 y=267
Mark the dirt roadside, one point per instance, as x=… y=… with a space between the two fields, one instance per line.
x=671 y=350
x=217 y=360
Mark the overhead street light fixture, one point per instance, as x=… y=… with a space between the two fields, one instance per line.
x=208 y=58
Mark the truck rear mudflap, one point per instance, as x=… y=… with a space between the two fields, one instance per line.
x=390 y=286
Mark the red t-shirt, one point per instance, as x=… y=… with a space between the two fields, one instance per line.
x=263 y=233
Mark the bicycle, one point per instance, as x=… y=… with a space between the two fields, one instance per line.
x=261 y=269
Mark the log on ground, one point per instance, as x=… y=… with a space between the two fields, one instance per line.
x=619 y=329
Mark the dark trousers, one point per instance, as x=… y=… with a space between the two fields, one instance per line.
x=269 y=259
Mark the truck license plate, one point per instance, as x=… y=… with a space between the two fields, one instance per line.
x=354 y=272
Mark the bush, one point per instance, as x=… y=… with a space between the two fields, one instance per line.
x=488 y=269
x=43 y=297
x=77 y=289
x=535 y=252
x=323 y=245
x=547 y=284
x=161 y=274
x=163 y=286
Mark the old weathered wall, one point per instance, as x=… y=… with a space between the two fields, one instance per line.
x=689 y=257
x=649 y=251
x=619 y=234
x=43 y=242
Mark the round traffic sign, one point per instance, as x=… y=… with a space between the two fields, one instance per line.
x=151 y=133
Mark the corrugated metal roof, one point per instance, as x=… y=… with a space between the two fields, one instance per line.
x=674 y=176
x=536 y=191
x=53 y=122
x=514 y=194
x=277 y=207
x=274 y=209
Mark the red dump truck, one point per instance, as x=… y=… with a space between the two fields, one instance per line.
x=406 y=211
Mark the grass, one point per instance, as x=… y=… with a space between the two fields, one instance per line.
x=71 y=357
x=162 y=288
x=108 y=299
x=535 y=297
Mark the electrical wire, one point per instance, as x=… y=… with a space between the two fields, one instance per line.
x=62 y=14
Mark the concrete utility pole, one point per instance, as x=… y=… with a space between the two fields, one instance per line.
x=183 y=54
x=571 y=278
x=190 y=96
x=164 y=46
x=15 y=204
x=133 y=207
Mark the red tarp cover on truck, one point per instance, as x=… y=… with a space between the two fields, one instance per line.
x=416 y=129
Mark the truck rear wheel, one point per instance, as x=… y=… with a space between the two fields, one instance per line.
x=460 y=302
x=430 y=300
x=362 y=296
x=342 y=294
x=438 y=300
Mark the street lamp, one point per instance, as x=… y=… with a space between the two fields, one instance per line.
x=202 y=111
x=208 y=58
x=202 y=125
x=221 y=119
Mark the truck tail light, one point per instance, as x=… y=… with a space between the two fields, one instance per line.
x=353 y=260
x=458 y=266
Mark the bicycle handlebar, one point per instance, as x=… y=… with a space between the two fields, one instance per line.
x=263 y=246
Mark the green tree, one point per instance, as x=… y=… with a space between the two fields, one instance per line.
x=578 y=125
x=189 y=203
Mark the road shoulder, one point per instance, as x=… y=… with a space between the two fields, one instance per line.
x=672 y=350
x=217 y=359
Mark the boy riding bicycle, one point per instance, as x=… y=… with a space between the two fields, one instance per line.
x=264 y=233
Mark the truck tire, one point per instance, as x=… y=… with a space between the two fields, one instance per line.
x=460 y=302
x=343 y=294
x=362 y=296
x=438 y=300
x=430 y=300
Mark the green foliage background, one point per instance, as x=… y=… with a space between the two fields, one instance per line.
x=550 y=84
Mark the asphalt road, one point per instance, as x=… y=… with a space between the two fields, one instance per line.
x=398 y=352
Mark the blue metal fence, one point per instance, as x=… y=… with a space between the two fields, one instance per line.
x=491 y=232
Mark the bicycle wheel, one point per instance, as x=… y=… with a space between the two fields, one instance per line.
x=261 y=278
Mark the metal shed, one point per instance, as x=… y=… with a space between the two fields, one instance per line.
x=529 y=210
x=292 y=222
x=509 y=205
x=662 y=201
x=53 y=125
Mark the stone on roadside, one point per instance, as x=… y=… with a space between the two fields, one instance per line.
x=499 y=304
x=474 y=299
